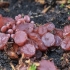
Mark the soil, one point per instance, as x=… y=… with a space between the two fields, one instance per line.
x=56 y=14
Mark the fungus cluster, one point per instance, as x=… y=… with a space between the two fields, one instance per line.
x=28 y=37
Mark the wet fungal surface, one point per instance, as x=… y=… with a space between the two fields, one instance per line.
x=28 y=36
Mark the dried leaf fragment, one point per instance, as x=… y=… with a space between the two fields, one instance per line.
x=4 y=4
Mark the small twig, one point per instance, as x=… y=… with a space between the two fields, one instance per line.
x=21 y=59
x=10 y=43
x=13 y=68
x=20 y=63
x=61 y=1
x=68 y=6
x=40 y=1
x=46 y=9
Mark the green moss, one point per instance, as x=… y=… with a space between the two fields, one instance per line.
x=32 y=67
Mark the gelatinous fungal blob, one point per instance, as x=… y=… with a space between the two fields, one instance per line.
x=28 y=50
x=3 y=40
x=58 y=32
x=20 y=37
x=48 y=39
x=58 y=40
x=42 y=30
x=66 y=31
x=50 y=26
x=46 y=65
x=65 y=44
